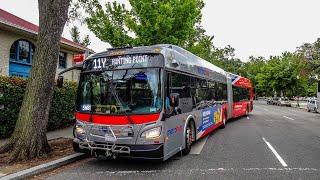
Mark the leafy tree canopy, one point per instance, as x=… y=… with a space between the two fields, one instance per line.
x=146 y=22
x=75 y=35
x=311 y=53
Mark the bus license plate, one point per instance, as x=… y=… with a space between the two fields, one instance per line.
x=109 y=138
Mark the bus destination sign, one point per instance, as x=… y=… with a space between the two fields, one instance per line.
x=127 y=61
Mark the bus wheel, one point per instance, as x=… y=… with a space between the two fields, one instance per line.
x=189 y=138
x=224 y=121
x=247 y=111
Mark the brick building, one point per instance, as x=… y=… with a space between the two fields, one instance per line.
x=18 y=43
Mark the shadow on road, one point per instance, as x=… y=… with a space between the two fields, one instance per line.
x=124 y=164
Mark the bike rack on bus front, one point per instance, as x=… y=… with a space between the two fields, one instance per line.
x=110 y=141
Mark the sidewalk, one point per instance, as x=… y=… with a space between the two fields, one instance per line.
x=302 y=105
x=22 y=171
x=66 y=133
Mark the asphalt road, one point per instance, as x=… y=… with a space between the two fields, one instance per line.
x=272 y=143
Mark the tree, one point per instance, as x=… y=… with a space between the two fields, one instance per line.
x=147 y=22
x=75 y=35
x=86 y=41
x=251 y=69
x=311 y=53
x=284 y=75
x=29 y=138
x=159 y=22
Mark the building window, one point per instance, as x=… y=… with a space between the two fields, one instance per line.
x=22 y=51
x=13 y=51
x=21 y=54
x=62 y=60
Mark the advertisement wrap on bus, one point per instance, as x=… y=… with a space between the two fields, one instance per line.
x=152 y=102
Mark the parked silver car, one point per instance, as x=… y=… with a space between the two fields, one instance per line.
x=273 y=100
x=312 y=105
x=283 y=101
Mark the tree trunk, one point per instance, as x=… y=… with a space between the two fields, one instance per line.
x=29 y=138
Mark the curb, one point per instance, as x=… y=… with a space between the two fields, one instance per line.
x=45 y=167
x=305 y=108
x=2 y=174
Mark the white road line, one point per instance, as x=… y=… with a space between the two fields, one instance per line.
x=193 y=171
x=248 y=117
x=289 y=118
x=198 y=146
x=284 y=164
x=265 y=109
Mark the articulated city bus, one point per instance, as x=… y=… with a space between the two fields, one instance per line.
x=153 y=102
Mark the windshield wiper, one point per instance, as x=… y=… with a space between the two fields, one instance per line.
x=115 y=94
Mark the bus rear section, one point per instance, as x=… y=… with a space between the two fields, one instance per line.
x=241 y=95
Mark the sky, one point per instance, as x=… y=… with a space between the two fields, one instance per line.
x=252 y=27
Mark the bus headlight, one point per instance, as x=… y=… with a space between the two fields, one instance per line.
x=152 y=133
x=79 y=129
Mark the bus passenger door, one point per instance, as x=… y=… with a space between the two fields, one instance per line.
x=177 y=102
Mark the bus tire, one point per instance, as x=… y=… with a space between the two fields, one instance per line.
x=224 y=120
x=189 y=136
x=247 y=111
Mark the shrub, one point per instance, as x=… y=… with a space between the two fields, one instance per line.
x=11 y=95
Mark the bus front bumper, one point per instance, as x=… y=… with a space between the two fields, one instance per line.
x=143 y=152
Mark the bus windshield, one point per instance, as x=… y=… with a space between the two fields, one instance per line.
x=131 y=91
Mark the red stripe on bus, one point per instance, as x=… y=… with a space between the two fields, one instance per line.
x=118 y=120
x=82 y=116
x=210 y=129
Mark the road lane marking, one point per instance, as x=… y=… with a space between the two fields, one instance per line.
x=289 y=118
x=193 y=171
x=265 y=109
x=198 y=146
x=248 y=117
x=284 y=164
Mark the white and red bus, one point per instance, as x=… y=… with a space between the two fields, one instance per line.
x=152 y=102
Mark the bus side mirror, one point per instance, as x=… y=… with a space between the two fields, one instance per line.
x=60 y=81
x=174 y=99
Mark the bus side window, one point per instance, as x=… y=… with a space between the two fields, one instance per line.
x=240 y=94
x=180 y=84
x=193 y=91
x=212 y=91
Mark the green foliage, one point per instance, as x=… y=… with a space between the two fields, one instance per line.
x=11 y=96
x=285 y=75
x=146 y=22
x=86 y=41
x=75 y=35
x=311 y=53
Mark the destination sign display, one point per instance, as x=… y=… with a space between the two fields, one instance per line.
x=126 y=61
